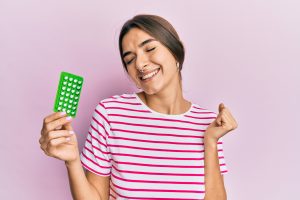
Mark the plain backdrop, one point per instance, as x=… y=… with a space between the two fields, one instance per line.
x=244 y=53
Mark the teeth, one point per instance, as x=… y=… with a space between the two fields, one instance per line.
x=150 y=75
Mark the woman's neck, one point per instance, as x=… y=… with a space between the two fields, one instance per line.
x=170 y=102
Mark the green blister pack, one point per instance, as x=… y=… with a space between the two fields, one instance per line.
x=68 y=93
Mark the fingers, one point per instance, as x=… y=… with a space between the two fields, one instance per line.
x=225 y=118
x=53 y=117
x=68 y=127
x=54 y=138
x=51 y=147
x=50 y=126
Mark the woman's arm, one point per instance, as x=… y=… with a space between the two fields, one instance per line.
x=87 y=186
x=214 y=183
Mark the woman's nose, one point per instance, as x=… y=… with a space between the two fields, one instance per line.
x=141 y=61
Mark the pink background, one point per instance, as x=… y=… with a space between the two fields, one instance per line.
x=243 y=53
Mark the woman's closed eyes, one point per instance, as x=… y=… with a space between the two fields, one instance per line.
x=146 y=51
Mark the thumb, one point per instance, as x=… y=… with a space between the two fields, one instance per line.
x=221 y=107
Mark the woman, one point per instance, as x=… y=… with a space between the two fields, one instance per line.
x=146 y=145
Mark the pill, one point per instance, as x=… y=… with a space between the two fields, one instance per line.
x=68 y=89
x=71 y=101
x=64 y=88
x=75 y=80
x=71 y=79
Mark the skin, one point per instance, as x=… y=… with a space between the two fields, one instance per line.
x=162 y=94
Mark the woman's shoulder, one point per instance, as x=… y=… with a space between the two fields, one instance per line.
x=119 y=98
x=197 y=108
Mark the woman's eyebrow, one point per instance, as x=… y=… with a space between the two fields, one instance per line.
x=140 y=45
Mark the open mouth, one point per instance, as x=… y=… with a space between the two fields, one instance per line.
x=150 y=76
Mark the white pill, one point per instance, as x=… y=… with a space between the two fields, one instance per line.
x=69 y=106
x=71 y=101
x=65 y=104
x=65 y=82
x=59 y=108
x=73 y=91
x=78 y=87
x=68 y=111
x=75 y=80
x=62 y=93
x=69 y=84
x=61 y=98
x=64 y=88
x=74 y=86
x=60 y=103
x=68 y=94
x=71 y=79
x=68 y=89
x=66 y=77
x=72 y=96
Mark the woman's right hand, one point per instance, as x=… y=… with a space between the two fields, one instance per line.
x=58 y=139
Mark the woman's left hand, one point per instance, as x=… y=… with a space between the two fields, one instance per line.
x=223 y=124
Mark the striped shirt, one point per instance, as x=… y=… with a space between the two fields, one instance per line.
x=147 y=154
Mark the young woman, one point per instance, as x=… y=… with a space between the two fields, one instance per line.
x=147 y=145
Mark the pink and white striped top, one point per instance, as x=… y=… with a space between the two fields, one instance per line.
x=148 y=155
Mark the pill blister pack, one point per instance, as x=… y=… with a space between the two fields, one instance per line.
x=68 y=93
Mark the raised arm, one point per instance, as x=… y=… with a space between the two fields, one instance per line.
x=214 y=182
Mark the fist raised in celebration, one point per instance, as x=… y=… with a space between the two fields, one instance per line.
x=223 y=124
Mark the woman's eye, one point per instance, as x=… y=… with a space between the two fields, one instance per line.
x=150 y=49
x=129 y=61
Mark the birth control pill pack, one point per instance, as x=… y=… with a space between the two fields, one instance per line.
x=68 y=93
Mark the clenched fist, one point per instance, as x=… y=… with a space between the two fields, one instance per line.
x=223 y=124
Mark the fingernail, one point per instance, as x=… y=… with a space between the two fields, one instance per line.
x=68 y=139
x=71 y=132
x=62 y=113
x=69 y=118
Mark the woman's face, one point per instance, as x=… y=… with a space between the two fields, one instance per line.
x=142 y=52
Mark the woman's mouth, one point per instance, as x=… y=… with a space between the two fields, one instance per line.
x=150 y=76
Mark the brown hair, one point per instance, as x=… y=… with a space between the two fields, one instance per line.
x=160 y=29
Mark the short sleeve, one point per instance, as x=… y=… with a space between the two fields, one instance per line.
x=222 y=162
x=95 y=155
